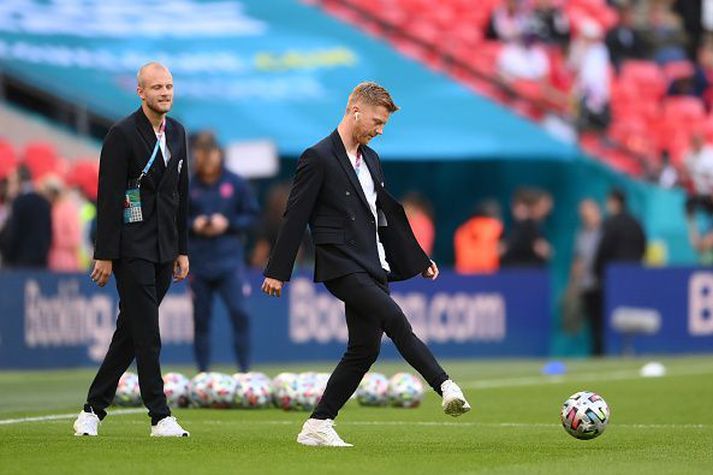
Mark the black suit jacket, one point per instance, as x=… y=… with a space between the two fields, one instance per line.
x=162 y=235
x=327 y=195
x=623 y=240
x=29 y=231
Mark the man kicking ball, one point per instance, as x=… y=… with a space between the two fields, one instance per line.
x=362 y=241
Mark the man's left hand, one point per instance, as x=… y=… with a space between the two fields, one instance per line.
x=218 y=224
x=431 y=273
x=180 y=268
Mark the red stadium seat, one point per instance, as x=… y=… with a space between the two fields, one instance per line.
x=84 y=174
x=41 y=159
x=646 y=77
x=684 y=109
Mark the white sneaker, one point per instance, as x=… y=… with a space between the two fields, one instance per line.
x=168 y=427
x=317 y=432
x=454 y=403
x=87 y=423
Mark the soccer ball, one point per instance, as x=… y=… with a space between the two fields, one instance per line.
x=127 y=391
x=252 y=390
x=199 y=390
x=221 y=390
x=405 y=390
x=373 y=390
x=585 y=415
x=310 y=387
x=175 y=386
x=285 y=391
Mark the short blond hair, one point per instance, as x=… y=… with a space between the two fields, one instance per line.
x=373 y=94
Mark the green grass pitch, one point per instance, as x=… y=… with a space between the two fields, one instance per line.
x=658 y=425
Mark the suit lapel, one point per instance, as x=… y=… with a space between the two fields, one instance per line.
x=346 y=164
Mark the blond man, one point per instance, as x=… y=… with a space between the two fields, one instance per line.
x=362 y=241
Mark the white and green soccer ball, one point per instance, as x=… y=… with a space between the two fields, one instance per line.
x=175 y=387
x=373 y=390
x=127 y=391
x=405 y=390
x=285 y=391
x=585 y=415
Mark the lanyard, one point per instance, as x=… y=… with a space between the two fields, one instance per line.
x=161 y=131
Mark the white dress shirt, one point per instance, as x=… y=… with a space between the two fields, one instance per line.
x=367 y=185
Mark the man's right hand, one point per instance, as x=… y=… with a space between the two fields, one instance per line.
x=200 y=223
x=101 y=272
x=272 y=287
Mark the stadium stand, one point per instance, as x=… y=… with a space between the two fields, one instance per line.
x=451 y=37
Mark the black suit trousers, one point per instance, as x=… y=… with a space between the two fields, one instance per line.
x=371 y=312
x=141 y=285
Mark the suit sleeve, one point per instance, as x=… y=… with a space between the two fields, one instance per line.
x=305 y=190
x=182 y=218
x=113 y=173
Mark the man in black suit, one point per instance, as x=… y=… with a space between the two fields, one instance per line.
x=142 y=239
x=622 y=240
x=28 y=233
x=362 y=241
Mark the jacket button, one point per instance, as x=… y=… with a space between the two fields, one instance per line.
x=372 y=221
x=353 y=218
x=347 y=193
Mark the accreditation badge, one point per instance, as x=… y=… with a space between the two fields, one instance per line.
x=132 y=203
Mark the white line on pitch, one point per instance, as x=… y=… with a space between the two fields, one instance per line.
x=461 y=424
x=565 y=378
x=117 y=412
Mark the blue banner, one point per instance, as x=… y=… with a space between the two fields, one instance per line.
x=676 y=303
x=54 y=320
x=278 y=70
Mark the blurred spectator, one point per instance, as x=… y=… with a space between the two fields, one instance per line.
x=703 y=74
x=524 y=245
x=668 y=174
x=664 y=34
x=9 y=188
x=700 y=235
x=548 y=23
x=625 y=41
x=29 y=228
x=420 y=216
x=683 y=80
x=622 y=240
x=691 y=12
x=523 y=59
x=66 y=227
x=476 y=242
x=269 y=225
x=221 y=211
x=589 y=60
x=583 y=281
x=507 y=22
x=698 y=167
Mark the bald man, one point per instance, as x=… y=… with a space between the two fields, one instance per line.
x=142 y=239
